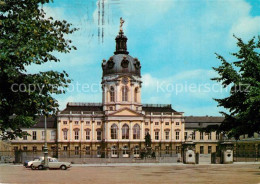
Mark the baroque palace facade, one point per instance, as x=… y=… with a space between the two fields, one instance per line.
x=119 y=124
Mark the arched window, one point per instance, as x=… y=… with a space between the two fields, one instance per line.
x=136 y=132
x=125 y=131
x=114 y=131
x=136 y=93
x=112 y=94
x=124 y=94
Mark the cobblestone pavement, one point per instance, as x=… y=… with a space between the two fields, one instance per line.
x=233 y=173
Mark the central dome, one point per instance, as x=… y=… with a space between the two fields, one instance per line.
x=121 y=62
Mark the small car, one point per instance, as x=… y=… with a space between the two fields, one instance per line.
x=53 y=164
x=29 y=163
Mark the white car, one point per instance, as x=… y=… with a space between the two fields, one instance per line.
x=35 y=160
x=53 y=164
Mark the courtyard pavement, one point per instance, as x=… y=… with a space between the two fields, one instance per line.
x=135 y=173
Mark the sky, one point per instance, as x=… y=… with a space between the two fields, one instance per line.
x=175 y=41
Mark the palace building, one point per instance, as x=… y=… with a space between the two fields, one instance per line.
x=121 y=121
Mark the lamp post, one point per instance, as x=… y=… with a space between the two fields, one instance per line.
x=45 y=149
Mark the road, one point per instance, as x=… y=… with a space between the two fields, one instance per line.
x=233 y=173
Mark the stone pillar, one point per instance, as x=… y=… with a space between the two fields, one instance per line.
x=119 y=131
x=227 y=152
x=142 y=133
x=152 y=133
x=58 y=130
x=70 y=122
x=93 y=131
x=188 y=150
x=130 y=131
x=161 y=137
x=81 y=130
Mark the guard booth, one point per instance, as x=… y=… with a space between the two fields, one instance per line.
x=227 y=153
x=188 y=151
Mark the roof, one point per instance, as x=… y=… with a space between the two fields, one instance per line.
x=51 y=122
x=158 y=108
x=82 y=107
x=202 y=121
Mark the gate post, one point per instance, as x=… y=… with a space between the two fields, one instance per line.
x=188 y=149
x=227 y=152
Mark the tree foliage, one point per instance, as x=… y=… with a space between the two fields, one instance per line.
x=28 y=37
x=243 y=78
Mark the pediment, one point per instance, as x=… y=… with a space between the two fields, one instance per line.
x=125 y=112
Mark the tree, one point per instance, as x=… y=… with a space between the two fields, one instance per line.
x=243 y=78
x=28 y=37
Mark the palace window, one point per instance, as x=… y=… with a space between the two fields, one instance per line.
x=99 y=123
x=217 y=136
x=114 y=151
x=136 y=93
x=201 y=149
x=43 y=135
x=87 y=150
x=185 y=135
x=146 y=123
x=87 y=122
x=177 y=123
x=156 y=135
x=65 y=148
x=112 y=94
x=167 y=150
x=156 y=123
x=125 y=151
x=76 y=122
x=177 y=135
x=76 y=150
x=88 y=134
x=209 y=136
x=53 y=135
x=209 y=149
x=167 y=135
x=136 y=131
x=114 y=131
x=65 y=122
x=25 y=148
x=34 y=148
x=178 y=149
x=167 y=123
x=124 y=94
x=136 y=150
x=201 y=136
x=76 y=133
x=34 y=135
x=193 y=135
x=99 y=135
x=25 y=136
x=98 y=151
x=125 y=132
x=65 y=134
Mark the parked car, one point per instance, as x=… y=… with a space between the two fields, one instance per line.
x=29 y=163
x=53 y=164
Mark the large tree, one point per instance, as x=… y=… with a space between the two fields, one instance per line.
x=28 y=37
x=243 y=78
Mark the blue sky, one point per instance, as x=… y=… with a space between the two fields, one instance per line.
x=174 y=40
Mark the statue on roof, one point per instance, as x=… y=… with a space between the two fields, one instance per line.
x=121 y=24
